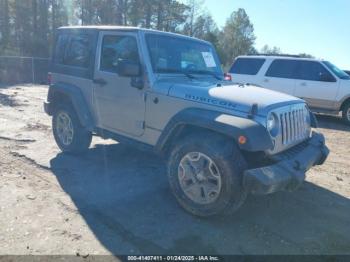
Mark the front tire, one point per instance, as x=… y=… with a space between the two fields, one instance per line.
x=205 y=174
x=70 y=135
x=346 y=113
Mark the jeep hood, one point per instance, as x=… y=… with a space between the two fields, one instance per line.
x=232 y=96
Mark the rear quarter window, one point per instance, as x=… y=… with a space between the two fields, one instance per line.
x=247 y=66
x=60 y=48
x=73 y=50
x=78 y=51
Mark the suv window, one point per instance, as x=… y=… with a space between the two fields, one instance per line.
x=313 y=71
x=282 y=68
x=247 y=66
x=338 y=72
x=77 y=51
x=115 y=49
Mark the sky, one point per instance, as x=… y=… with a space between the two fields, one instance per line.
x=317 y=27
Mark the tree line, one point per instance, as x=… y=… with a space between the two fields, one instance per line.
x=27 y=27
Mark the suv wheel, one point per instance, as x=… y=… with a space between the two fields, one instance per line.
x=69 y=134
x=205 y=174
x=346 y=114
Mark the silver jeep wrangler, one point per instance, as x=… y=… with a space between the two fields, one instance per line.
x=165 y=92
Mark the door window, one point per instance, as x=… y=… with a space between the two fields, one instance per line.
x=247 y=66
x=116 y=49
x=282 y=68
x=313 y=71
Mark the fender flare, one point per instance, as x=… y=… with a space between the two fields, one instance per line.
x=257 y=136
x=77 y=99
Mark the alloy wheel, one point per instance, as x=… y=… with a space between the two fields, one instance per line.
x=199 y=178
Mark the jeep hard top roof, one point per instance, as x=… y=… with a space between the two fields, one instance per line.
x=124 y=28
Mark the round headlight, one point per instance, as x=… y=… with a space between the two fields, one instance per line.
x=272 y=124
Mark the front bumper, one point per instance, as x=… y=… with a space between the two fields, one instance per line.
x=289 y=168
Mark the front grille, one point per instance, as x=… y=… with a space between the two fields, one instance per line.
x=293 y=126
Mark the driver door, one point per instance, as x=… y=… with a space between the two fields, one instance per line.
x=120 y=107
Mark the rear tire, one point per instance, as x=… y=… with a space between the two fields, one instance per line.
x=346 y=113
x=70 y=135
x=207 y=189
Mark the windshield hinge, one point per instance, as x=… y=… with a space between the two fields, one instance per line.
x=253 y=111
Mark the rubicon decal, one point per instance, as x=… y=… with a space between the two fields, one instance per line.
x=209 y=100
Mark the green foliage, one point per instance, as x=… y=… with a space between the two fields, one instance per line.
x=27 y=28
x=270 y=50
x=237 y=37
x=277 y=51
x=304 y=55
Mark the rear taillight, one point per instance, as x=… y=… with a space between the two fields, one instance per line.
x=49 y=78
x=227 y=77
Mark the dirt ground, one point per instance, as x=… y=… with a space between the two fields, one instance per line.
x=116 y=199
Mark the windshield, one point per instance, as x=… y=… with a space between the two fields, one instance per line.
x=178 y=55
x=338 y=72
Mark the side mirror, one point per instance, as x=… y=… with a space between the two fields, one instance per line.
x=129 y=69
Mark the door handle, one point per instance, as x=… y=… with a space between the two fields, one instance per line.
x=266 y=80
x=99 y=81
x=303 y=84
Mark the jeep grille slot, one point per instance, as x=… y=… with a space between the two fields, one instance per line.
x=293 y=126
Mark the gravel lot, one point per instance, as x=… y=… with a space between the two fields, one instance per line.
x=115 y=199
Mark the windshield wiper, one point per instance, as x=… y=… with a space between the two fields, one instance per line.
x=204 y=72
x=190 y=76
x=216 y=76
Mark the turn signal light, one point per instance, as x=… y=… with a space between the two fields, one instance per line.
x=242 y=140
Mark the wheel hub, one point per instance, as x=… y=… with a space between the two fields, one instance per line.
x=199 y=178
x=64 y=128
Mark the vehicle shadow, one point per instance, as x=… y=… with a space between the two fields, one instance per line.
x=124 y=197
x=331 y=122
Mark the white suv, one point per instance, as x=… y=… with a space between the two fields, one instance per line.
x=325 y=87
